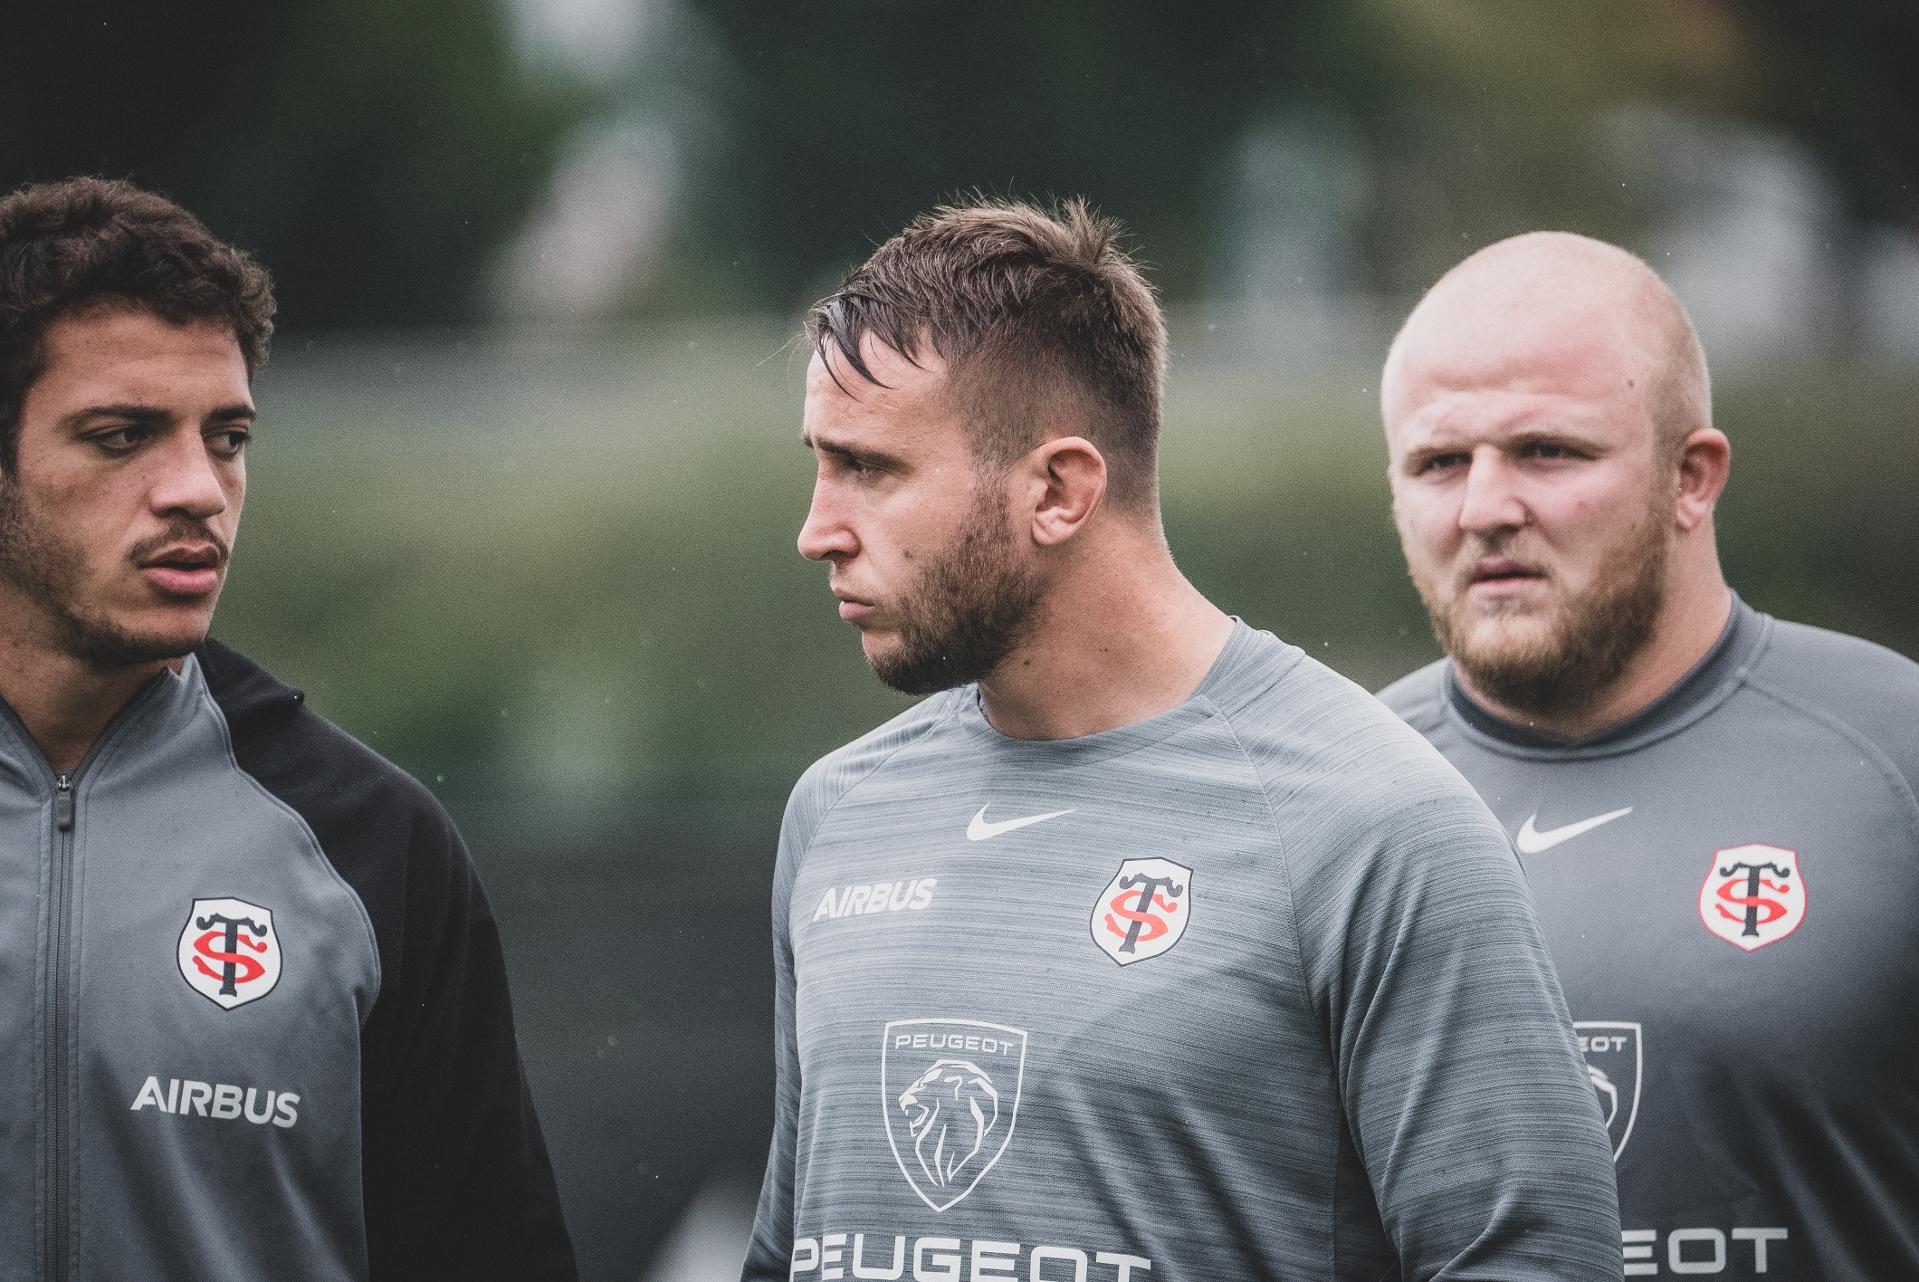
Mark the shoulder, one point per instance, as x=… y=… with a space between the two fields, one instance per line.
x=1339 y=759
x=385 y=835
x=1859 y=688
x=1419 y=697
x=1847 y=673
x=306 y=761
x=836 y=774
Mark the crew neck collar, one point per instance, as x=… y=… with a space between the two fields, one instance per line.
x=1703 y=687
x=970 y=714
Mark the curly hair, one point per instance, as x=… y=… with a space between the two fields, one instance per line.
x=69 y=245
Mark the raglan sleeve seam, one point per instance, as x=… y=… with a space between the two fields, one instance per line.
x=313 y=841
x=1895 y=778
x=1295 y=945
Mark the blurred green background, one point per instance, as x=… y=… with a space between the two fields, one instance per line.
x=528 y=478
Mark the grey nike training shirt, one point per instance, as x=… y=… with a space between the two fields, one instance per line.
x=1247 y=990
x=1729 y=882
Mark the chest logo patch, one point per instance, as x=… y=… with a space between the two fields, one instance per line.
x=1144 y=909
x=229 y=951
x=1615 y=1061
x=950 y=1091
x=1753 y=895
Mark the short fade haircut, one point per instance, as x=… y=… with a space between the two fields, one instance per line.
x=1040 y=316
x=79 y=243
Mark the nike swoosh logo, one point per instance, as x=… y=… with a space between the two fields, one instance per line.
x=980 y=829
x=1531 y=841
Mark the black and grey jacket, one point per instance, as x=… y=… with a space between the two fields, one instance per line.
x=253 y=1012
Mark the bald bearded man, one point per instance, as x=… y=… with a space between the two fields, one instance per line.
x=1715 y=809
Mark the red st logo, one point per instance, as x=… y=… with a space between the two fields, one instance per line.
x=1129 y=904
x=230 y=951
x=1753 y=895
x=232 y=967
x=1755 y=910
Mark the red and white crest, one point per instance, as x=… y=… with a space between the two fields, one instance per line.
x=230 y=951
x=1753 y=895
x=1144 y=909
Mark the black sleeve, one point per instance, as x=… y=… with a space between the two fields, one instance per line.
x=457 y=1181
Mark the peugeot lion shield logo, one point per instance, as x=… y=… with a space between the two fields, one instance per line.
x=950 y=1090
x=1616 y=1062
x=1143 y=910
x=229 y=951
x=1753 y=895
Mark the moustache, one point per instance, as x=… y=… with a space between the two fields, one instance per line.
x=180 y=531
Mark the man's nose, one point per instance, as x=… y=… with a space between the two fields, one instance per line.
x=189 y=480
x=1491 y=501
x=825 y=533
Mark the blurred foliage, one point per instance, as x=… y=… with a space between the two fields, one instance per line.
x=377 y=153
x=372 y=154
x=1457 y=121
x=1840 y=74
x=559 y=582
x=850 y=117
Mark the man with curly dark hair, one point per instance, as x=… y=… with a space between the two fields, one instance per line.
x=252 y=999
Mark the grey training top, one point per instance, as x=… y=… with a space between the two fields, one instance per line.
x=1247 y=990
x=1729 y=883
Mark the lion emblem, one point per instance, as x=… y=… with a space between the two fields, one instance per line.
x=951 y=1111
x=1608 y=1093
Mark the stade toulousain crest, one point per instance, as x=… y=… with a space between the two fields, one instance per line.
x=229 y=951
x=1753 y=895
x=950 y=1089
x=1144 y=909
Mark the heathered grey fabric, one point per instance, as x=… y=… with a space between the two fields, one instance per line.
x=162 y=817
x=1767 y=1084
x=1354 y=1063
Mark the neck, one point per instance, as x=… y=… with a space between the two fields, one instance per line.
x=1121 y=636
x=64 y=702
x=1690 y=623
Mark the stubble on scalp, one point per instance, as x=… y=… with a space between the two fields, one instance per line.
x=970 y=608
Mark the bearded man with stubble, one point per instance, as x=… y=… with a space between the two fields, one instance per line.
x=1715 y=809
x=253 y=1009
x=1145 y=948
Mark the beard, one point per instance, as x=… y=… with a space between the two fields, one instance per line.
x=1582 y=647
x=47 y=570
x=969 y=609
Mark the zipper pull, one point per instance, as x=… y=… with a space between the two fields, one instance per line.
x=63 y=802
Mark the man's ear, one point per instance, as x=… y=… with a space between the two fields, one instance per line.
x=1705 y=461
x=1066 y=478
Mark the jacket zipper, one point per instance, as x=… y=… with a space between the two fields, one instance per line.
x=61 y=879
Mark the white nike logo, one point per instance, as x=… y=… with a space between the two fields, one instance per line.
x=1531 y=841
x=980 y=829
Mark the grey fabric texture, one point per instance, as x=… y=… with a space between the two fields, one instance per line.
x=242 y=1123
x=1254 y=992
x=1735 y=936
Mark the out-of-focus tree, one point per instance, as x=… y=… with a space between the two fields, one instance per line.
x=1841 y=73
x=1500 y=123
x=372 y=154
x=1515 y=113
x=848 y=117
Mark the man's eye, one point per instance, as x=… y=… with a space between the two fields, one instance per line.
x=121 y=440
x=230 y=443
x=1548 y=450
x=1438 y=463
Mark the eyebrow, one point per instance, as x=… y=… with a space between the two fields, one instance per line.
x=848 y=453
x=154 y=414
